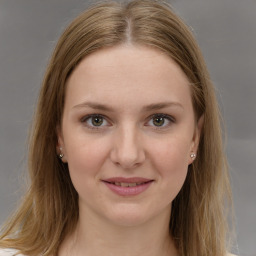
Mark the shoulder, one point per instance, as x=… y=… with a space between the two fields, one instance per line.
x=9 y=252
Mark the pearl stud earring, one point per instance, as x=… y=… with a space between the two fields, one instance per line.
x=61 y=154
x=192 y=155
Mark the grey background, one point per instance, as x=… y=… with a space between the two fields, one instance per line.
x=226 y=32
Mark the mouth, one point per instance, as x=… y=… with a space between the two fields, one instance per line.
x=128 y=186
x=125 y=184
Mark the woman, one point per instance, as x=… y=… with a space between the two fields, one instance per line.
x=128 y=106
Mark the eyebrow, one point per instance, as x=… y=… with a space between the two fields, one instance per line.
x=156 y=106
x=94 y=105
x=153 y=106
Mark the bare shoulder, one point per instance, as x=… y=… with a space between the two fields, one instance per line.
x=230 y=254
x=9 y=252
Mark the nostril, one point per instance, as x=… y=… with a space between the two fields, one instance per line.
x=127 y=151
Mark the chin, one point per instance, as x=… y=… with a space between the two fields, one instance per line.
x=129 y=216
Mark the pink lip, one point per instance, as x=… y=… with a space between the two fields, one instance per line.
x=127 y=180
x=128 y=191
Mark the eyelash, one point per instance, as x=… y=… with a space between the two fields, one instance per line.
x=86 y=118
x=169 y=118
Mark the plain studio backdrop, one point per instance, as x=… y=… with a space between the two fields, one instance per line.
x=226 y=33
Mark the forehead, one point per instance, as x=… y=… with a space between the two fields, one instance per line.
x=128 y=74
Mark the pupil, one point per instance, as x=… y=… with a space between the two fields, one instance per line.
x=97 y=121
x=158 y=121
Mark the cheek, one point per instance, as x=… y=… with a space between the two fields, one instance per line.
x=171 y=162
x=172 y=153
x=85 y=156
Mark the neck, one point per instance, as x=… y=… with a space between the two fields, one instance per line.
x=94 y=236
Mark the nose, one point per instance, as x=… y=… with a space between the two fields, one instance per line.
x=127 y=150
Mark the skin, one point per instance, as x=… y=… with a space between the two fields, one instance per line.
x=131 y=141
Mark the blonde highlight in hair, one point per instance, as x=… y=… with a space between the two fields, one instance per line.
x=49 y=211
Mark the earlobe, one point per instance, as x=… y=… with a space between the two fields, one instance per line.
x=61 y=155
x=196 y=140
x=193 y=155
x=60 y=150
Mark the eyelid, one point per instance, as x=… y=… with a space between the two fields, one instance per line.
x=167 y=116
x=170 y=118
x=85 y=118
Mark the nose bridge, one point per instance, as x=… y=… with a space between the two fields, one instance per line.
x=127 y=149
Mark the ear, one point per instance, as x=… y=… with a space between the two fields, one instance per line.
x=60 y=147
x=196 y=139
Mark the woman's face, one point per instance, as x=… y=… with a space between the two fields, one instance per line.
x=127 y=133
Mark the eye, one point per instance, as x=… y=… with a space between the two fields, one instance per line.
x=94 y=121
x=160 y=120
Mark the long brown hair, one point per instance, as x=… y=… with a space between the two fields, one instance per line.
x=50 y=208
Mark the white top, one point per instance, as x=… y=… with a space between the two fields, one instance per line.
x=9 y=252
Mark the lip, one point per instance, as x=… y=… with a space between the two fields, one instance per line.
x=128 y=191
x=127 y=180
